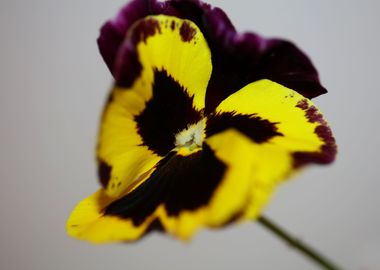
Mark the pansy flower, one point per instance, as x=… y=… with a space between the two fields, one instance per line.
x=201 y=126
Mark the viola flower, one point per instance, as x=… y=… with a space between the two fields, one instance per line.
x=202 y=125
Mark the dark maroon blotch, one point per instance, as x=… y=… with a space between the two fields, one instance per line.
x=257 y=129
x=145 y=29
x=104 y=172
x=187 y=32
x=179 y=183
x=302 y=104
x=169 y=111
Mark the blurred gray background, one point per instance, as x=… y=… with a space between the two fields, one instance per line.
x=53 y=85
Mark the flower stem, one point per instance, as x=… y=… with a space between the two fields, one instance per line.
x=309 y=252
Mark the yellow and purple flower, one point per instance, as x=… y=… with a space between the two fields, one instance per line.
x=202 y=125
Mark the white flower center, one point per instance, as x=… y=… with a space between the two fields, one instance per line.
x=191 y=137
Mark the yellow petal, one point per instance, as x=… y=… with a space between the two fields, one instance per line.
x=139 y=123
x=205 y=189
x=87 y=222
x=283 y=127
x=283 y=107
x=179 y=48
x=229 y=198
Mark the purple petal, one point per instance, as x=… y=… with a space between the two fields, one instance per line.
x=238 y=58
x=113 y=32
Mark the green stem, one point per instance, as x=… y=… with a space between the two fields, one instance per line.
x=309 y=252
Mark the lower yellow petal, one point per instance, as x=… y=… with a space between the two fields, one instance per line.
x=229 y=198
x=88 y=222
x=176 y=195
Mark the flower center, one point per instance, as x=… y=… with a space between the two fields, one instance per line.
x=190 y=139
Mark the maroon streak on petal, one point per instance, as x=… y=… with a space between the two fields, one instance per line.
x=328 y=149
x=237 y=58
x=257 y=129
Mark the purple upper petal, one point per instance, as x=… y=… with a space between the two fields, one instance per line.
x=113 y=32
x=237 y=58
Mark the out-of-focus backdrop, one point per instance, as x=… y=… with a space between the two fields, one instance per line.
x=52 y=87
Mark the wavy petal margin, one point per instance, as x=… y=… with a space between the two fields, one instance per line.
x=246 y=57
